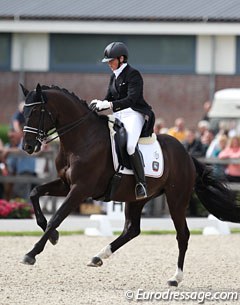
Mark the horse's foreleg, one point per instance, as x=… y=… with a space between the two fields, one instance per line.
x=131 y=229
x=72 y=199
x=53 y=188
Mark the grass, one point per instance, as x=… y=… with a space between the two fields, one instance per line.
x=38 y=233
x=163 y=232
x=81 y=232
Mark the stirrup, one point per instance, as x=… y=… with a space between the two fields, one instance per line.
x=140 y=191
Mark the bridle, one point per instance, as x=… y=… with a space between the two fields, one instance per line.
x=44 y=136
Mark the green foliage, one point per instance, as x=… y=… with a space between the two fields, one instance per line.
x=4 y=133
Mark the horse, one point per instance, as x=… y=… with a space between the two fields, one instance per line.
x=85 y=168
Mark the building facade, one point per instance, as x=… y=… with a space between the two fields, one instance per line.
x=184 y=59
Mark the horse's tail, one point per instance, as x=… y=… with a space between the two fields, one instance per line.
x=214 y=194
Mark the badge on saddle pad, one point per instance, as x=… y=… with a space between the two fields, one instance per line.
x=155 y=166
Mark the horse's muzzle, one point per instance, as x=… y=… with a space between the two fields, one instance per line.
x=31 y=147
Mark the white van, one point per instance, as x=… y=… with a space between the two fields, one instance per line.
x=225 y=108
x=226 y=104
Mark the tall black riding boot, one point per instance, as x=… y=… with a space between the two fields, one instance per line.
x=137 y=166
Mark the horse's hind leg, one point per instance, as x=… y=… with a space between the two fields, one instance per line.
x=53 y=188
x=131 y=229
x=177 y=206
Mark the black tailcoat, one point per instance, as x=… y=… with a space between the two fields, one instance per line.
x=127 y=91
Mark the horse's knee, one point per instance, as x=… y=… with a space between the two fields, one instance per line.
x=42 y=222
x=34 y=193
x=132 y=231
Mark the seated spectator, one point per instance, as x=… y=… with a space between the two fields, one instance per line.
x=159 y=126
x=232 y=151
x=178 y=131
x=202 y=126
x=207 y=139
x=18 y=164
x=192 y=145
x=3 y=170
x=221 y=143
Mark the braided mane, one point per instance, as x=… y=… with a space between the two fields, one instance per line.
x=75 y=99
x=65 y=91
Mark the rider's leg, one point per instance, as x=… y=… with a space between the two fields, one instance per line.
x=133 y=123
x=137 y=166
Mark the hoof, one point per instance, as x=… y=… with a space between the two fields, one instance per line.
x=172 y=283
x=95 y=262
x=28 y=260
x=54 y=237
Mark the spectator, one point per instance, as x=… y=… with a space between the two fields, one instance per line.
x=207 y=139
x=193 y=145
x=18 y=120
x=159 y=126
x=178 y=131
x=220 y=144
x=206 y=108
x=222 y=141
x=195 y=148
x=202 y=126
x=232 y=151
x=19 y=164
x=3 y=170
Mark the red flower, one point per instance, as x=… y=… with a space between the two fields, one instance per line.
x=15 y=209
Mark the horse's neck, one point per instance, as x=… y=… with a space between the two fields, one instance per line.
x=90 y=131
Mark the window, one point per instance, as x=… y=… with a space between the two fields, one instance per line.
x=149 y=53
x=5 y=51
x=238 y=55
x=163 y=54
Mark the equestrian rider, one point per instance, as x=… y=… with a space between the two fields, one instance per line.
x=125 y=98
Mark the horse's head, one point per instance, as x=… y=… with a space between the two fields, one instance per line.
x=38 y=119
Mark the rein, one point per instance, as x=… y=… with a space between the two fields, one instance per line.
x=65 y=129
x=43 y=136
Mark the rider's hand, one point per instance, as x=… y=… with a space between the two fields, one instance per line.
x=100 y=105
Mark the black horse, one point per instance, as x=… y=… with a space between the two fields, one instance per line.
x=85 y=168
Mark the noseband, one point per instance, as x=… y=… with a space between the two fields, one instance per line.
x=42 y=135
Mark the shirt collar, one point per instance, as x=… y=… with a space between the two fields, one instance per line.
x=119 y=70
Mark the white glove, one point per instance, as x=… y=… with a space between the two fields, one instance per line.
x=93 y=104
x=100 y=105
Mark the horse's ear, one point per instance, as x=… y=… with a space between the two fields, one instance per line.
x=24 y=90
x=38 y=88
x=38 y=91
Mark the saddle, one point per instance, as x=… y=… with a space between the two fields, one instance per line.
x=149 y=148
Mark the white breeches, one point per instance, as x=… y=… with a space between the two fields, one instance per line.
x=133 y=122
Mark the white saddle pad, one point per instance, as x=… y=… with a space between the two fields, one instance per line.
x=152 y=155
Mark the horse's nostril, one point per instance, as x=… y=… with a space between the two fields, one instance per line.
x=27 y=147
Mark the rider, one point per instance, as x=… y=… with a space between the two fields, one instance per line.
x=125 y=98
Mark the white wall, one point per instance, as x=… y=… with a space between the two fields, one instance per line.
x=225 y=55
x=203 y=54
x=35 y=55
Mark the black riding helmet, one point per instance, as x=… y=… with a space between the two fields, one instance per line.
x=115 y=50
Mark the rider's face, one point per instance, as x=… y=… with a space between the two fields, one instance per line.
x=113 y=64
